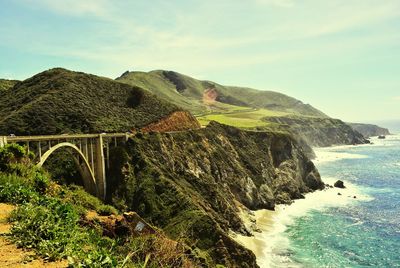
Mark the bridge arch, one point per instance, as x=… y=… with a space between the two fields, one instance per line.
x=85 y=169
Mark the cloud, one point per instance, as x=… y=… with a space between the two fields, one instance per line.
x=199 y=36
x=97 y=8
x=276 y=3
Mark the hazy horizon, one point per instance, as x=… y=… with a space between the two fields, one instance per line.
x=341 y=57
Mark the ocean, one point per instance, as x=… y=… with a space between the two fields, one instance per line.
x=358 y=228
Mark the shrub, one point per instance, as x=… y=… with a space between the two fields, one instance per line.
x=52 y=228
x=106 y=210
x=77 y=196
x=41 y=182
x=12 y=154
x=16 y=191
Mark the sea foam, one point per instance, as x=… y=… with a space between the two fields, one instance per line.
x=277 y=246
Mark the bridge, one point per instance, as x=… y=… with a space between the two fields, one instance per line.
x=91 y=153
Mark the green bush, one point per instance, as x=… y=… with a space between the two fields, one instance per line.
x=11 y=153
x=41 y=182
x=106 y=210
x=16 y=191
x=52 y=228
x=77 y=196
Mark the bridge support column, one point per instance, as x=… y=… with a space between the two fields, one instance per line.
x=100 y=168
x=3 y=141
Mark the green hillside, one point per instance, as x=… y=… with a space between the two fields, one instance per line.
x=62 y=101
x=202 y=97
x=245 y=107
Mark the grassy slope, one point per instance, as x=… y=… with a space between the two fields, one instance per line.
x=235 y=106
x=244 y=118
x=62 y=101
x=188 y=92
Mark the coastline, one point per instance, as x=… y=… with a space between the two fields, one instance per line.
x=270 y=245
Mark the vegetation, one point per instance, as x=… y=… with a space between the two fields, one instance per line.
x=6 y=84
x=51 y=220
x=191 y=183
x=202 y=97
x=245 y=107
x=242 y=118
x=61 y=101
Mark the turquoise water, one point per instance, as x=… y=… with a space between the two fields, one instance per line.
x=362 y=232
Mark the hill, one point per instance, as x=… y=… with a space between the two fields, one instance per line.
x=201 y=96
x=62 y=101
x=7 y=84
x=320 y=132
x=245 y=107
x=369 y=130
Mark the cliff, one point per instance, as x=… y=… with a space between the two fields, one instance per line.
x=191 y=183
x=369 y=130
x=316 y=131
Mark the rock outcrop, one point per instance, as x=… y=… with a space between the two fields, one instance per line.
x=339 y=184
x=177 y=121
x=191 y=183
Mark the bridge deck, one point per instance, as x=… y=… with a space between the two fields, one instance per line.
x=63 y=137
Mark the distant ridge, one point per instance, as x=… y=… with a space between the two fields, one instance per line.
x=369 y=130
x=200 y=96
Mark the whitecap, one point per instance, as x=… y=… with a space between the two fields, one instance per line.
x=277 y=244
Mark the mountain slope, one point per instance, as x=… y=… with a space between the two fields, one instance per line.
x=62 y=101
x=7 y=84
x=245 y=107
x=204 y=96
x=194 y=184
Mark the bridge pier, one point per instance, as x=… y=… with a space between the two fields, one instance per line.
x=3 y=141
x=87 y=147
x=100 y=169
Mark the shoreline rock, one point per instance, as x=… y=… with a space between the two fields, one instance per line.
x=339 y=184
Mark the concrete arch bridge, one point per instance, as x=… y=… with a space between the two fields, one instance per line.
x=91 y=154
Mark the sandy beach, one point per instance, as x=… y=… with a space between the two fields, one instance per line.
x=270 y=242
x=264 y=222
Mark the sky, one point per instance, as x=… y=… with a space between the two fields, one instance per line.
x=341 y=56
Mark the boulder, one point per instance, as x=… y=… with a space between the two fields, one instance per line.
x=339 y=184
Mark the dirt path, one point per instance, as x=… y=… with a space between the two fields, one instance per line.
x=10 y=255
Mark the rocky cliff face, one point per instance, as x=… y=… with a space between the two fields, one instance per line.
x=177 y=121
x=191 y=183
x=319 y=132
x=369 y=130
